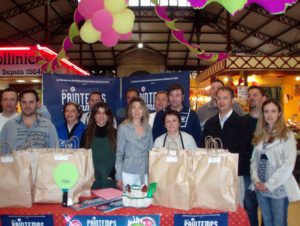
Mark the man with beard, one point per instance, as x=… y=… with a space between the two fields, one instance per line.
x=256 y=97
x=29 y=129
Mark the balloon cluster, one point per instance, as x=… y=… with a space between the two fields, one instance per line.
x=107 y=21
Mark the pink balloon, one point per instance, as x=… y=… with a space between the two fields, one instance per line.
x=92 y=6
x=102 y=20
x=82 y=9
x=125 y=37
x=110 y=38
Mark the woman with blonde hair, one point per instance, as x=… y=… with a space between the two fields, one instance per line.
x=272 y=164
x=134 y=140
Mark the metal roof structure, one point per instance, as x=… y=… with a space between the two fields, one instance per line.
x=252 y=31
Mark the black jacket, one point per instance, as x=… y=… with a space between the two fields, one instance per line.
x=234 y=137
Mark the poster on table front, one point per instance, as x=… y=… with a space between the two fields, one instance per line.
x=60 y=89
x=121 y=220
x=148 y=85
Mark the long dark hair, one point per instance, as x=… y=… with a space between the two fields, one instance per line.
x=111 y=131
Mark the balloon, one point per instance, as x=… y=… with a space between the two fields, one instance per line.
x=115 y=6
x=102 y=20
x=88 y=33
x=92 y=6
x=125 y=37
x=110 y=38
x=123 y=21
x=82 y=9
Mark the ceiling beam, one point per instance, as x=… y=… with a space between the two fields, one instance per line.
x=290 y=47
x=21 y=9
x=282 y=18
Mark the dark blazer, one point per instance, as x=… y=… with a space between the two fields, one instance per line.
x=233 y=136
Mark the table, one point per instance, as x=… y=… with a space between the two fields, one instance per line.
x=237 y=218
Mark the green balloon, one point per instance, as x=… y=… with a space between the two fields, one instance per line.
x=123 y=22
x=230 y=6
x=114 y=6
x=65 y=175
x=88 y=33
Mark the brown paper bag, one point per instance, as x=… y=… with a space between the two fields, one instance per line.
x=45 y=189
x=15 y=182
x=216 y=179
x=89 y=171
x=171 y=171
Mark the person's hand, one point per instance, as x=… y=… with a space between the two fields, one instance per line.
x=120 y=184
x=261 y=187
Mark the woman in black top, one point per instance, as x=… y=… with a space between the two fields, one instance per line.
x=100 y=136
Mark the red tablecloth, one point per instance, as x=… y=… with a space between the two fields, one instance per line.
x=237 y=218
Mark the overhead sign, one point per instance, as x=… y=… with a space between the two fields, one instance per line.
x=19 y=63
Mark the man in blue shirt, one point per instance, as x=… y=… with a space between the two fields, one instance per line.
x=189 y=120
x=29 y=129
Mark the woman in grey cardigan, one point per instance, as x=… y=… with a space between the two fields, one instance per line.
x=134 y=140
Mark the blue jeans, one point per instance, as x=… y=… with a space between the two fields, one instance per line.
x=250 y=202
x=274 y=211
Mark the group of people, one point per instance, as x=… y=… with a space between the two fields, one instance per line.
x=266 y=148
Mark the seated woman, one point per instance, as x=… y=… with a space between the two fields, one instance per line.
x=72 y=128
x=101 y=137
x=174 y=138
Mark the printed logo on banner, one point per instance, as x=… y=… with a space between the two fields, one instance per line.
x=148 y=85
x=218 y=219
x=136 y=220
x=37 y=220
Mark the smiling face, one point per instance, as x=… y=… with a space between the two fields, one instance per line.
x=71 y=113
x=161 y=101
x=101 y=117
x=176 y=99
x=224 y=101
x=136 y=110
x=214 y=86
x=271 y=114
x=93 y=99
x=9 y=102
x=28 y=104
x=172 y=124
x=256 y=99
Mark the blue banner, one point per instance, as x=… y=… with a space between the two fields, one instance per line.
x=218 y=219
x=60 y=89
x=15 y=220
x=134 y=220
x=149 y=84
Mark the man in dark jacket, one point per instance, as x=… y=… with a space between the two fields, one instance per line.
x=228 y=126
x=189 y=120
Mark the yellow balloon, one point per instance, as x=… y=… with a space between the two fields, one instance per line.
x=115 y=6
x=88 y=33
x=123 y=22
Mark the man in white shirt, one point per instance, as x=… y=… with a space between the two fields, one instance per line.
x=161 y=102
x=9 y=100
x=210 y=109
x=229 y=127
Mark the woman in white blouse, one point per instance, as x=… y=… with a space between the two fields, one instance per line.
x=272 y=164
